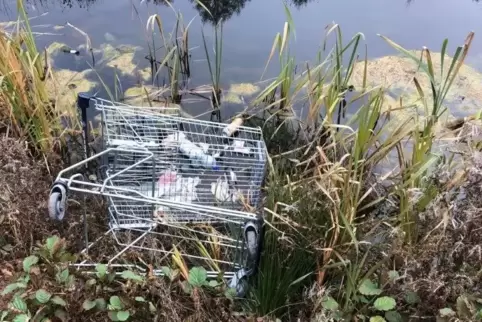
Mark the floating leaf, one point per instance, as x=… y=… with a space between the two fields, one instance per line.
x=412 y=298
x=122 y=315
x=21 y=318
x=329 y=303
x=385 y=303
x=58 y=300
x=393 y=275
x=19 y=304
x=116 y=303
x=130 y=275
x=446 y=312
x=393 y=316
x=12 y=287
x=139 y=299
x=88 y=305
x=367 y=287
x=28 y=262
x=197 y=276
x=42 y=296
x=377 y=318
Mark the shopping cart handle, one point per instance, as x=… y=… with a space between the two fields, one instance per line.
x=83 y=100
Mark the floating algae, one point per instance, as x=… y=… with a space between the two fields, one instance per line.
x=231 y=98
x=245 y=89
x=65 y=84
x=138 y=96
x=396 y=74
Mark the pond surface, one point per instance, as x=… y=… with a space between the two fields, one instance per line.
x=250 y=27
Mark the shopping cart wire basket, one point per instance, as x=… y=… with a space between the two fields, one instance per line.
x=173 y=183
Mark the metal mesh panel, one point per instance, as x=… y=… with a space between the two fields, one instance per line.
x=232 y=182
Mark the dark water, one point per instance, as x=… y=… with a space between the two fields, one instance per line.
x=250 y=27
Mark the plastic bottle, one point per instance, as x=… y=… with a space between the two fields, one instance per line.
x=196 y=154
x=231 y=128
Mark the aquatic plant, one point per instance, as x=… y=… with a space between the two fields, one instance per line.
x=26 y=106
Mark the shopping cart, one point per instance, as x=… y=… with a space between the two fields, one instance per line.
x=173 y=185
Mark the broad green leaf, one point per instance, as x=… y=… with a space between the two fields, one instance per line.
x=329 y=303
x=377 y=318
x=58 y=300
x=101 y=270
x=412 y=298
x=52 y=243
x=130 y=275
x=28 y=262
x=393 y=316
x=393 y=275
x=42 y=296
x=197 y=276
x=139 y=299
x=116 y=303
x=213 y=283
x=21 y=318
x=88 y=305
x=19 y=304
x=100 y=304
x=12 y=287
x=385 y=303
x=122 y=315
x=367 y=287
x=446 y=312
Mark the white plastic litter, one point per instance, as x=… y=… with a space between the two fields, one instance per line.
x=238 y=146
x=221 y=191
x=132 y=143
x=196 y=154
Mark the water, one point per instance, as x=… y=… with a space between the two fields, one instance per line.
x=250 y=27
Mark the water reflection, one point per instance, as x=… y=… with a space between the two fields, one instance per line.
x=219 y=9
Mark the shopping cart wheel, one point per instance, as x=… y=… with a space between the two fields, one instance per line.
x=240 y=282
x=57 y=201
x=251 y=237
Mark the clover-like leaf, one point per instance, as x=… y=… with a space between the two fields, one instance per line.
x=28 y=262
x=385 y=303
x=197 y=276
x=329 y=303
x=393 y=316
x=42 y=296
x=58 y=300
x=367 y=287
x=100 y=270
x=213 y=283
x=115 y=303
x=122 y=315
